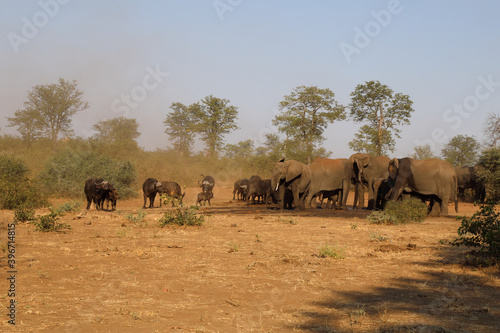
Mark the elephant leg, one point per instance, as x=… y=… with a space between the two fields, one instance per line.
x=296 y=198
x=345 y=193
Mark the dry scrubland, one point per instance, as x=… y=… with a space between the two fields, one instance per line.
x=248 y=269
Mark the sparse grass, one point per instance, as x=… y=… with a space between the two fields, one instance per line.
x=68 y=207
x=234 y=248
x=354 y=226
x=375 y=236
x=136 y=219
x=331 y=251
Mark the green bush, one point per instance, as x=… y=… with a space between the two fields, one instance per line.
x=66 y=172
x=16 y=190
x=49 y=222
x=24 y=215
x=481 y=230
x=182 y=216
x=400 y=212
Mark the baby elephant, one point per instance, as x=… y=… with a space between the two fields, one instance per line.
x=204 y=196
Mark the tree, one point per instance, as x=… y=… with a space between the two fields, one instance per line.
x=213 y=118
x=117 y=130
x=461 y=150
x=28 y=123
x=118 y=135
x=492 y=130
x=306 y=113
x=490 y=172
x=423 y=152
x=48 y=110
x=243 y=149
x=179 y=127
x=382 y=110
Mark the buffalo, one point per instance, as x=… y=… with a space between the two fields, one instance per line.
x=173 y=190
x=207 y=184
x=150 y=187
x=204 y=196
x=96 y=189
x=111 y=197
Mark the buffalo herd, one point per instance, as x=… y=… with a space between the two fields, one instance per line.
x=297 y=185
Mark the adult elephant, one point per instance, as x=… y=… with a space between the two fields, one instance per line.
x=468 y=179
x=291 y=175
x=368 y=169
x=330 y=175
x=432 y=177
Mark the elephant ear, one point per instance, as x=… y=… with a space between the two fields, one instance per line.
x=365 y=160
x=393 y=168
x=294 y=170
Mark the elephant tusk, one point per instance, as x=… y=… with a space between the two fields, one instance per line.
x=277 y=185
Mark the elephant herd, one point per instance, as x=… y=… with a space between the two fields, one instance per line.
x=295 y=184
x=432 y=180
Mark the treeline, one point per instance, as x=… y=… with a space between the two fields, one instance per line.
x=57 y=162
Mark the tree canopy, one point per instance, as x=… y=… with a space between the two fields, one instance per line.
x=382 y=110
x=211 y=118
x=423 y=152
x=48 y=111
x=461 y=150
x=180 y=128
x=305 y=114
x=492 y=130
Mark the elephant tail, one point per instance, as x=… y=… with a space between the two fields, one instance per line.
x=456 y=193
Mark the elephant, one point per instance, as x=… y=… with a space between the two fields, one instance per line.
x=432 y=177
x=253 y=188
x=330 y=175
x=381 y=188
x=368 y=169
x=332 y=198
x=468 y=178
x=292 y=175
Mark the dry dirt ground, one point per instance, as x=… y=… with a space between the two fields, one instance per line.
x=247 y=269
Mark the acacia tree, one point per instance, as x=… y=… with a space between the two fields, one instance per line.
x=118 y=135
x=492 y=129
x=212 y=119
x=48 y=110
x=461 y=150
x=180 y=128
x=423 y=152
x=305 y=114
x=382 y=109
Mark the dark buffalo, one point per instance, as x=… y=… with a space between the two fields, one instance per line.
x=204 y=196
x=207 y=184
x=173 y=190
x=261 y=188
x=253 y=189
x=240 y=189
x=95 y=190
x=111 y=197
x=150 y=187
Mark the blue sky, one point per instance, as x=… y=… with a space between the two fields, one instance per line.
x=443 y=54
